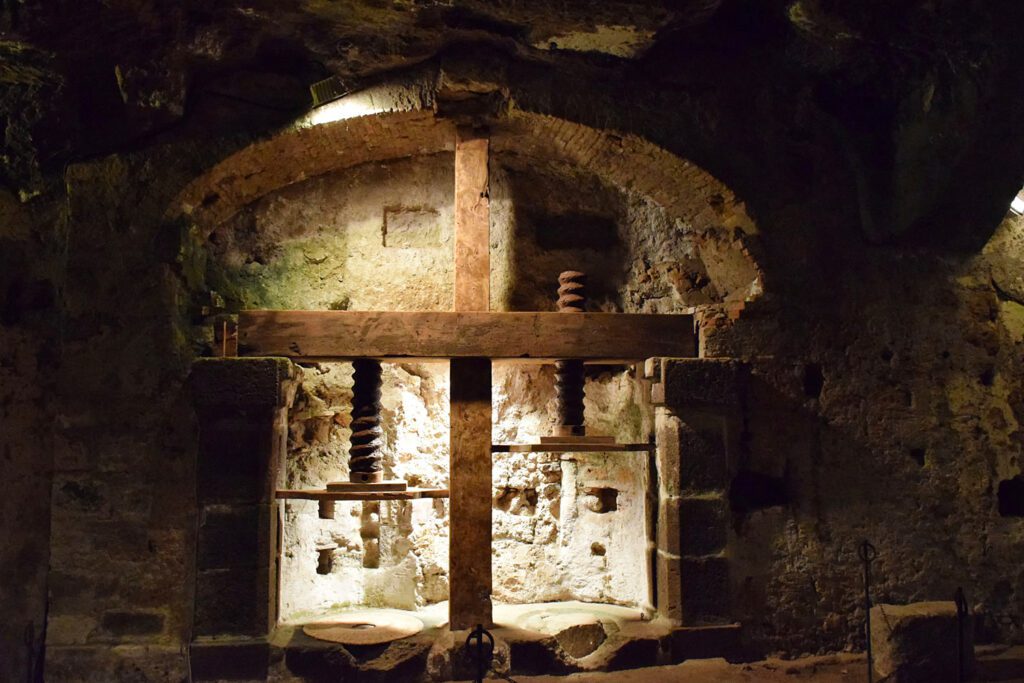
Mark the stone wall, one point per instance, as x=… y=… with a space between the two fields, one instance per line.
x=29 y=349
x=882 y=405
x=883 y=399
x=123 y=505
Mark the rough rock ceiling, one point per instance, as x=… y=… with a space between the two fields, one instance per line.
x=903 y=109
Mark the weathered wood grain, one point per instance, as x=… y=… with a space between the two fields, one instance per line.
x=327 y=335
x=472 y=222
x=323 y=494
x=571 y=448
x=469 y=554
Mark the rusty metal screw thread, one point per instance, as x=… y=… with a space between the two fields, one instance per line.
x=569 y=379
x=364 y=454
x=572 y=291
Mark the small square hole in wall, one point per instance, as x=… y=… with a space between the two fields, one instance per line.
x=411 y=227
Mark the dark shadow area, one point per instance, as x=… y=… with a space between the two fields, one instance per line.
x=1011 y=497
x=751 y=491
x=564 y=221
x=814 y=381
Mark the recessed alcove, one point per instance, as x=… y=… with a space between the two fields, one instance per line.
x=322 y=244
x=582 y=525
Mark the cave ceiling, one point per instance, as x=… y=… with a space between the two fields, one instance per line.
x=904 y=114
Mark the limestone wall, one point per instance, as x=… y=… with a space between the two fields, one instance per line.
x=379 y=237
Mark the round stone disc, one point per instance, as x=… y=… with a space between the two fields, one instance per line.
x=365 y=628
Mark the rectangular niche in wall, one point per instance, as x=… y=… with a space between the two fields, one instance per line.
x=390 y=554
x=411 y=227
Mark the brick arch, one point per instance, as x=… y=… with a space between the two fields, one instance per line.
x=398 y=122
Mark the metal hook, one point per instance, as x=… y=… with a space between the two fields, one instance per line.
x=483 y=662
x=867 y=554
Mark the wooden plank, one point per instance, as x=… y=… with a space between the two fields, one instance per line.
x=393 y=485
x=472 y=222
x=578 y=440
x=571 y=448
x=335 y=335
x=323 y=494
x=469 y=554
x=469 y=551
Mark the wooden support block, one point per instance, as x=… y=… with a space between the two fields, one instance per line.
x=394 y=485
x=472 y=222
x=325 y=495
x=572 y=448
x=585 y=440
x=338 y=335
x=469 y=555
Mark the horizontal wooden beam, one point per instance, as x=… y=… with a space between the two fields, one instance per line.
x=338 y=335
x=571 y=448
x=323 y=494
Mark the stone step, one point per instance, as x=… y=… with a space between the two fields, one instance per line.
x=708 y=642
x=999 y=663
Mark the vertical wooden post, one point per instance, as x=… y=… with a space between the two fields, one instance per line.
x=472 y=222
x=469 y=556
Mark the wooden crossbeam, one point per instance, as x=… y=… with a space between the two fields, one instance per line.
x=324 y=494
x=337 y=335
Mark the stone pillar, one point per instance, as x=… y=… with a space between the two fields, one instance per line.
x=698 y=426
x=240 y=404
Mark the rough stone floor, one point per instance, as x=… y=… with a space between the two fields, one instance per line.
x=830 y=669
x=999 y=664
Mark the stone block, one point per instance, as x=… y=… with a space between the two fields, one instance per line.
x=667 y=452
x=703 y=525
x=669 y=587
x=230 y=660
x=579 y=640
x=536 y=657
x=700 y=383
x=693 y=526
x=634 y=654
x=451 y=659
x=102 y=663
x=707 y=642
x=668 y=535
x=705 y=590
x=240 y=382
x=127 y=623
x=918 y=642
x=237 y=457
x=704 y=454
x=233 y=602
x=401 y=660
x=233 y=536
x=692 y=454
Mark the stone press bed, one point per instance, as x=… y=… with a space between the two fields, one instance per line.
x=530 y=639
